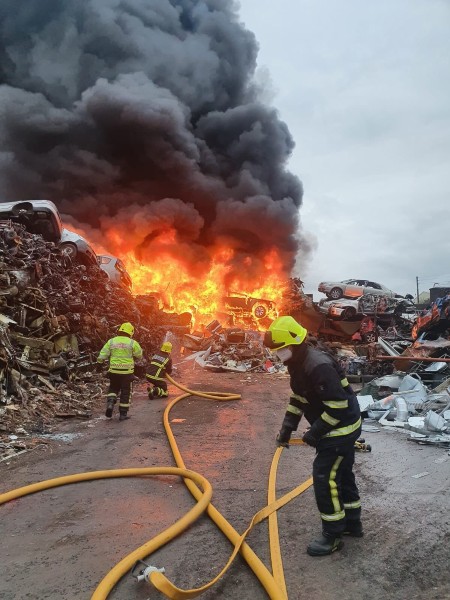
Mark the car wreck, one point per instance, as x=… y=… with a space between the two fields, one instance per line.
x=368 y=304
x=41 y=217
x=353 y=288
x=246 y=309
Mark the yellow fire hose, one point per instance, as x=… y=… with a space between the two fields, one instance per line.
x=201 y=489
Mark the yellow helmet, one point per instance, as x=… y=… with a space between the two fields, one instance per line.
x=166 y=347
x=127 y=328
x=284 y=331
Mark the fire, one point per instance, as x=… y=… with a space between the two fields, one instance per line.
x=203 y=295
x=163 y=272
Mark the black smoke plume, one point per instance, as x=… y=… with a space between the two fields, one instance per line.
x=143 y=116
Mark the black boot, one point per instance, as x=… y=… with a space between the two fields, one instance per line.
x=123 y=416
x=109 y=408
x=354 y=528
x=324 y=545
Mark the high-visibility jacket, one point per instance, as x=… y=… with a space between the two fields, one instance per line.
x=121 y=352
x=160 y=364
x=321 y=391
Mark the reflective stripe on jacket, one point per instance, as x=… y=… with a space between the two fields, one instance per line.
x=321 y=391
x=121 y=352
x=159 y=365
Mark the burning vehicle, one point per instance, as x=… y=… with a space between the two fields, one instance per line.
x=251 y=311
x=152 y=307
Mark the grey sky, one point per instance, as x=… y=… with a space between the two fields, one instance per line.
x=364 y=88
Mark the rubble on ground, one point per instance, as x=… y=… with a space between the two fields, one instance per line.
x=402 y=401
x=24 y=425
x=219 y=349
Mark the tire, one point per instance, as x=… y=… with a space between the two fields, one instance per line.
x=370 y=337
x=335 y=293
x=348 y=313
x=259 y=311
x=69 y=250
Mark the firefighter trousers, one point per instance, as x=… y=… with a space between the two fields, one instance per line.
x=159 y=389
x=120 y=387
x=335 y=488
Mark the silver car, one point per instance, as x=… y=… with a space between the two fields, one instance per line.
x=340 y=309
x=353 y=288
x=115 y=269
x=43 y=218
x=368 y=304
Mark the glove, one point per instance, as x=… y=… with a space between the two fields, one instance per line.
x=318 y=429
x=309 y=439
x=283 y=437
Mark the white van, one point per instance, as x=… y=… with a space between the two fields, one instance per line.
x=42 y=217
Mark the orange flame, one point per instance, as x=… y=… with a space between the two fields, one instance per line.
x=173 y=280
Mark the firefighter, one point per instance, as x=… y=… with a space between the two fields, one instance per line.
x=121 y=351
x=321 y=392
x=160 y=364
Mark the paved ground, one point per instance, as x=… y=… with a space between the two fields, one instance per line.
x=59 y=544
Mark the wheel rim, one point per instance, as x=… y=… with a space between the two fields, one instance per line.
x=69 y=250
x=335 y=293
x=260 y=311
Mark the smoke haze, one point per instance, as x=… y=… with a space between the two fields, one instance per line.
x=142 y=116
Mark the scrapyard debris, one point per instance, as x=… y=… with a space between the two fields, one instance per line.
x=429 y=358
x=404 y=402
x=54 y=317
x=435 y=319
x=219 y=349
x=358 y=361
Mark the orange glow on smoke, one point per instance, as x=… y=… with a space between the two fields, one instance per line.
x=180 y=290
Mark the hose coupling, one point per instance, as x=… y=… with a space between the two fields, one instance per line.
x=142 y=571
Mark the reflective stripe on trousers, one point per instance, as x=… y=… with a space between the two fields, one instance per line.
x=335 y=488
x=121 y=385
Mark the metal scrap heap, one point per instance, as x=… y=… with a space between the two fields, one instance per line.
x=54 y=316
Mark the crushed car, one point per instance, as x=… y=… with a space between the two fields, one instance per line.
x=243 y=308
x=369 y=304
x=115 y=270
x=41 y=217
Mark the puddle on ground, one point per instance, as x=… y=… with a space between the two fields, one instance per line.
x=62 y=437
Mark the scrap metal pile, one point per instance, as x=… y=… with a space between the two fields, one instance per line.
x=219 y=349
x=403 y=402
x=54 y=317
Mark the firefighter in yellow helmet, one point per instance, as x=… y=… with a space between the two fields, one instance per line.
x=321 y=392
x=120 y=351
x=160 y=364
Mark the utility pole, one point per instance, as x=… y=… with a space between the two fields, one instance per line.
x=417 y=287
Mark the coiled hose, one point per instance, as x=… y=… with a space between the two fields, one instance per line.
x=201 y=489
